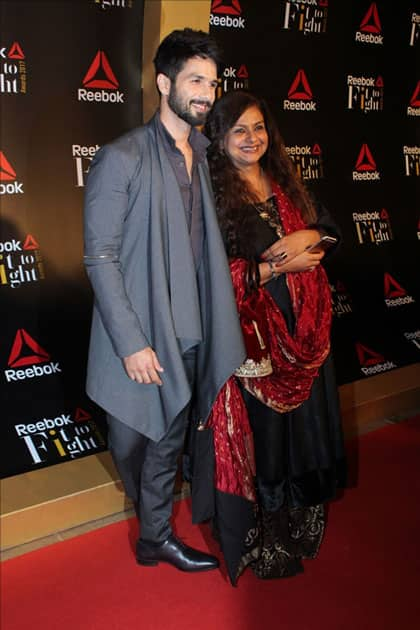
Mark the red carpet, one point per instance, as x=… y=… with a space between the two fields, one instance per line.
x=367 y=576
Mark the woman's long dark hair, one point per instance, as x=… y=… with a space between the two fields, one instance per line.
x=232 y=194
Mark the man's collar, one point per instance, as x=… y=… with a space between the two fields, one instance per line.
x=197 y=140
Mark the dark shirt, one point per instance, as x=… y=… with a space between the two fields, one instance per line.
x=190 y=188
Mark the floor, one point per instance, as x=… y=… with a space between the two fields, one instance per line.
x=59 y=536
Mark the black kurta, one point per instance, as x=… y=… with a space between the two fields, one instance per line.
x=300 y=458
x=300 y=455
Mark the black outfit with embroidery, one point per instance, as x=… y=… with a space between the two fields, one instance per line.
x=300 y=457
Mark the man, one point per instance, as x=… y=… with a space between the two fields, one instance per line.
x=165 y=325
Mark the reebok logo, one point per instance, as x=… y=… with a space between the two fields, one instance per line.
x=365 y=168
x=12 y=70
x=8 y=174
x=394 y=294
x=16 y=246
x=20 y=264
x=83 y=156
x=100 y=63
x=65 y=436
x=109 y=4
x=365 y=93
x=80 y=415
x=228 y=8
x=415 y=29
x=411 y=161
x=307 y=160
x=370 y=30
x=365 y=161
x=414 y=107
x=23 y=344
x=371 y=362
x=26 y=351
x=101 y=78
x=226 y=14
x=300 y=95
x=305 y=16
x=233 y=79
x=15 y=52
x=40 y=425
x=373 y=226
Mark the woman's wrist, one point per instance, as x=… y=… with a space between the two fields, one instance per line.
x=272 y=270
x=268 y=271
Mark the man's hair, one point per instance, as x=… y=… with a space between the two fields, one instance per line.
x=179 y=46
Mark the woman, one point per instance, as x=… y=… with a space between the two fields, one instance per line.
x=278 y=445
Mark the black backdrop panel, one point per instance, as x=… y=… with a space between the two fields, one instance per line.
x=70 y=76
x=342 y=79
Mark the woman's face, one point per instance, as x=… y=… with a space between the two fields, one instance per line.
x=247 y=141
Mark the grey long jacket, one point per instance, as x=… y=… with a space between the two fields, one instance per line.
x=139 y=260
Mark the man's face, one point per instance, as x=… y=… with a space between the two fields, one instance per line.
x=192 y=94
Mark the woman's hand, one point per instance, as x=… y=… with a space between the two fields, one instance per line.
x=306 y=261
x=291 y=246
x=289 y=254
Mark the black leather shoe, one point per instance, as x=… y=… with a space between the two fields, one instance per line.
x=175 y=552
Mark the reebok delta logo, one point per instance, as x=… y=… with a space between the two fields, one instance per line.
x=7 y=176
x=307 y=160
x=20 y=263
x=305 y=16
x=83 y=156
x=370 y=30
x=101 y=78
x=12 y=70
x=64 y=436
x=233 y=79
x=300 y=96
x=371 y=362
x=411 y=161
x=373 y=226
x=415 y=29
x=394 y=294
x=226 y=14
x=342 y=304
x=414 y=108
x=365 y=93
x=27 y=352
x=365 y=167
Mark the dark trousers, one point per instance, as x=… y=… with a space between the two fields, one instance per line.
x=148 y=469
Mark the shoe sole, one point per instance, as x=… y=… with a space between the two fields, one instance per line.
x=154 y=563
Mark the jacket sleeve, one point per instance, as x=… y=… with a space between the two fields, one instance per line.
x=105 y=209
x=325 y=224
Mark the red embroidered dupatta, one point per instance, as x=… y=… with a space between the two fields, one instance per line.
x=295 y=358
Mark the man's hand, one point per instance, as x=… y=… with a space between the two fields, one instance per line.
x=143 y=367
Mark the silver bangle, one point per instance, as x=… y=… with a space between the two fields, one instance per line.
x=273 y=273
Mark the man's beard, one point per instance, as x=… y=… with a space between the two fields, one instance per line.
x=181 y=109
